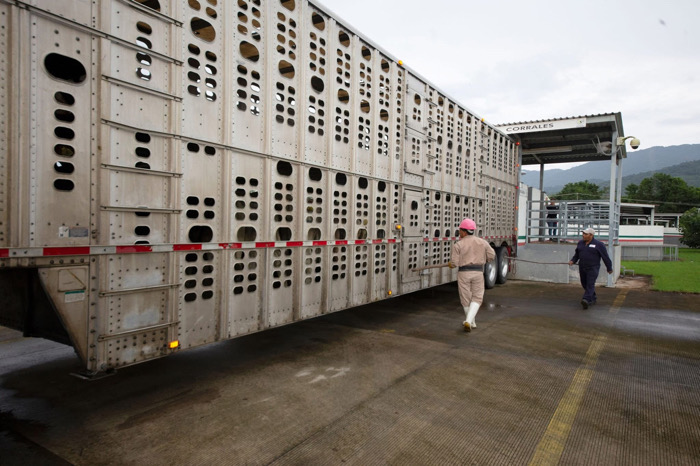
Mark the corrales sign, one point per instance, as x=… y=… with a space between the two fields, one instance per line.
x=551 y=125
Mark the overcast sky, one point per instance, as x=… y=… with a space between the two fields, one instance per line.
x=523 y=60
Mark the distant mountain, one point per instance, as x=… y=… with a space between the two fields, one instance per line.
x=642 y=162
x=688 y=172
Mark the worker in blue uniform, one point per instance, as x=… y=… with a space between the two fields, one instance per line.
x=589 y=252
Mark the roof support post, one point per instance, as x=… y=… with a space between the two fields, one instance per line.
x=613 y=244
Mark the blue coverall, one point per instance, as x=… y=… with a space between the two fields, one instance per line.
x=588 y=257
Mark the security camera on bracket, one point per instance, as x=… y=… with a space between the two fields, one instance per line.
x=634 y=143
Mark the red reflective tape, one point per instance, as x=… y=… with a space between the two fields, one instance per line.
x=265 y=245
x=4 y=253
x=376 y=241
x=294 y=244
x=360 y=241
x=187 y=247
x=135 y=248
x=230 y=245
x=445 y=239
x=426 y=239
x=341 y=243
x=76 y=251
x=320 y=243
x=391 y=240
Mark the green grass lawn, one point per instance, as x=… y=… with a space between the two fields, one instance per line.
x=683 y=275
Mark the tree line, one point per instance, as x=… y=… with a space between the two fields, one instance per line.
x=670 y=195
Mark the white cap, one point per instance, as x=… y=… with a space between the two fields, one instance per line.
x=589 y=231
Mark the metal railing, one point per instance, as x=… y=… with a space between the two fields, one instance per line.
x=571 y=218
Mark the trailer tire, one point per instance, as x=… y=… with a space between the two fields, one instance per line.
x=502 y=264
x=490 y=273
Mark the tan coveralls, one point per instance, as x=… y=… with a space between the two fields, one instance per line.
x=471 y=250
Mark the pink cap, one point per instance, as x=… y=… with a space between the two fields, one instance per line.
x=467 y=224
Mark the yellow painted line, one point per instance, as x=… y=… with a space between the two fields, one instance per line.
x=551 y=445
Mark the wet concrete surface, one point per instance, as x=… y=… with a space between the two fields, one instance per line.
x=540 y=381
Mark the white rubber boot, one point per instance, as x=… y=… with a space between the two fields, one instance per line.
x=471 y=315
x=467 y=326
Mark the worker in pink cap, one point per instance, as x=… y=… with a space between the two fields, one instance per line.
x=470 y=254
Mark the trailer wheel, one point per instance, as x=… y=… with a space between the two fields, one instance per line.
x=490 y=273
x=502 y=260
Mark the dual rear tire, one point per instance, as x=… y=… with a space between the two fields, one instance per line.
x=497 y=270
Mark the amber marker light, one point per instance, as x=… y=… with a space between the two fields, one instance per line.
x=390 y=293
x=174 y=344
x=400 y=62
x=398 y=227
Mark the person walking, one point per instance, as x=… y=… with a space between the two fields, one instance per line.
x=589 y=252
x=470 y=254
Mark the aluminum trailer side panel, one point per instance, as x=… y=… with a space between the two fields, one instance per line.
x=194 y=171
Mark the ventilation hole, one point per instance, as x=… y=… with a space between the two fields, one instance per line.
x=200 y=234
x=208 y=269
x=194 y=90
x=209 y=214
x=208 y=256
x=341 y=179
x=64 y=115
x=142 y=214
x=318 y=21
x=144 y=43
x=189 y=297
x=142 y=230
x=144 y=59
x=193 y=76
x=249 y=51
x=208 y=282
x=209 y=201
x=144 y=27
x=366 y=53
x=152 y=4
x=340 y=233
x=143 y=152
x=192 y=147
x=362 y=183
x=362 y=233
x=64 y=150
x=193 y=49
x=143 y=74
x=343 y=96
x=209 y=150
x=202 y=29
x=143 y=137
x=247 y=234
x=381 y=186
x=344 y=38
x=315 y=174
x=65 y=68
x=192 y=214
x=364 y=106
x=286 y=69
x=314 y=234
x=64 y=98
x=284 y=168
x=63 y=167
x=283 y=234
x=64 y=133
x=207 y=294
x=63 y=185
x=191 y=257
x=190 y=284
x=143 y=165
x=191 y=270
x=238 y=290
